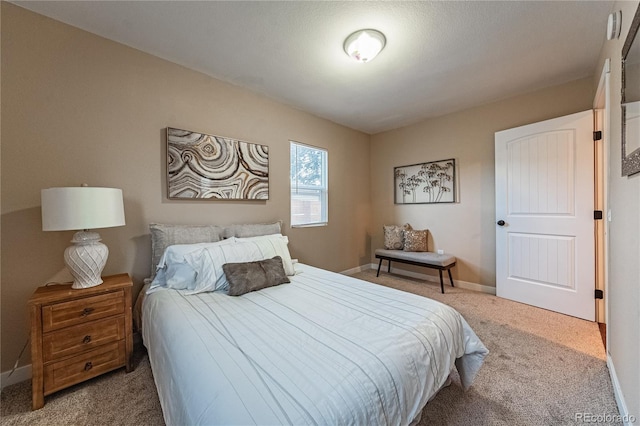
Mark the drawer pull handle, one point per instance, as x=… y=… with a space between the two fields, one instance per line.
x=86 y=339
x=86 y=311
x=88 y=366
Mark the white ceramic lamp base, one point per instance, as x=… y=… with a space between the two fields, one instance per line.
x=86 y=259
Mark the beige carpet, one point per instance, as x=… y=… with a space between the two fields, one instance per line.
x=543 y=369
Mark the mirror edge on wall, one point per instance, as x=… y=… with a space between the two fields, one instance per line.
x=631 y=161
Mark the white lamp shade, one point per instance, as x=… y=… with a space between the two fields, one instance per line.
x=75 y=208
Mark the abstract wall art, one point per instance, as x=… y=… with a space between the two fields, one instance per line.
x=201 y=166
x=425 y=183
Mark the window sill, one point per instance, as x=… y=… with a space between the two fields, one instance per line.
x=310 y=225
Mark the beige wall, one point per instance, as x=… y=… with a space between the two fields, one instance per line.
x=78 y=108
x=467 y=228
x=623 y=293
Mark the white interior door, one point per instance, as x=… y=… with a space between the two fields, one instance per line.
x=545 y=253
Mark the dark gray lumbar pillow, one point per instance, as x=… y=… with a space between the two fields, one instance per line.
x=252 y=276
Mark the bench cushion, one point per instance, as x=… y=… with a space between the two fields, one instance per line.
x=426 y=257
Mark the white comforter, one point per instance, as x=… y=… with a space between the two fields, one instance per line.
x=326 y=349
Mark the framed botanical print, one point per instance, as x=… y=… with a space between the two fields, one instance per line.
x=425 y=183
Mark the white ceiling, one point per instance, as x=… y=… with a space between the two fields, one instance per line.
x=440 y=56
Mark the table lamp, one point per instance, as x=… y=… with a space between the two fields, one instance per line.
x=83 y=208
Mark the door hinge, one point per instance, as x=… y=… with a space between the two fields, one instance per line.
x=597 y=135
x=597 y=215
x=599 y=294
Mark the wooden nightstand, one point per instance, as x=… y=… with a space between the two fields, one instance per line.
x=79 y=334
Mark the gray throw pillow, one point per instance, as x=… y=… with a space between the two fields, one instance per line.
x=251 y=276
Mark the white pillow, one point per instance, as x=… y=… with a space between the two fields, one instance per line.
x=207 y=262
x=260 y=237
x=178 y=276
x=174 y=272
x=273 y=245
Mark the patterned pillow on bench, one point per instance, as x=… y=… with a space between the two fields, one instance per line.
x=394 y=236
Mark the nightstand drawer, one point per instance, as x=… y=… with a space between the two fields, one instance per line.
x=80 y=311
x=80 y=338
x=62 y=374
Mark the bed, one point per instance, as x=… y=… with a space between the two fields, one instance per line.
x=322 y=349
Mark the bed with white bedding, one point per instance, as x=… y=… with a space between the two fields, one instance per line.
x=323 y=349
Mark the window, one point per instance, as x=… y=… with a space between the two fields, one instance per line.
x=308 y=185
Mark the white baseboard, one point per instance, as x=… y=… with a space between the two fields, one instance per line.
x=355 y=270
x=20 y=375
x=436 y=279
x=625 y=417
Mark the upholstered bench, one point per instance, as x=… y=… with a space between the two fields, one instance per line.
x=441 y=262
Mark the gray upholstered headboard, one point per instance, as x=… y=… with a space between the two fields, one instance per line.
x=164 y=235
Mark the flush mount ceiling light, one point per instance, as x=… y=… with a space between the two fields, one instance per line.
x=364 y=45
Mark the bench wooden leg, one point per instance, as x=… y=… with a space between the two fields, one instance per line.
x=379 y=265
x=389 y=266
x=450 y=277
x=441 y=281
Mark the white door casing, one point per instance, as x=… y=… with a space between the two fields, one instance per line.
x=602 y=106
x=544 y=194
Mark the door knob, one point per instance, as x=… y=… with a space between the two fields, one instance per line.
x=501 y=222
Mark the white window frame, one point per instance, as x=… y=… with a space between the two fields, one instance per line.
x=296 y=188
